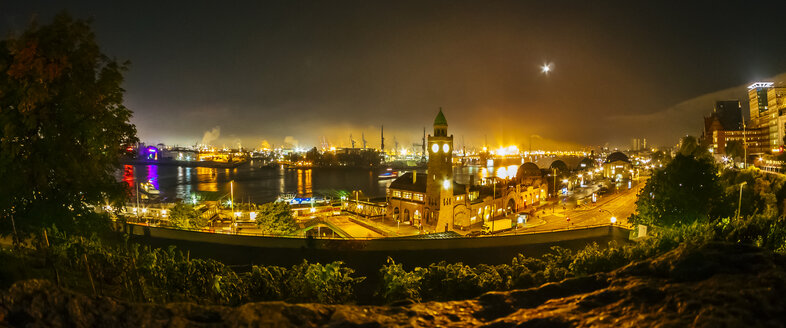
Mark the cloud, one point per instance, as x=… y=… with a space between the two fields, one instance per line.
x=211 y=135
x=291 y=141
x=264 y=144
x=683 y=118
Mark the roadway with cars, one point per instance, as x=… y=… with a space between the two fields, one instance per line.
x=620 y=205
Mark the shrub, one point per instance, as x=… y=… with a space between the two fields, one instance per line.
x=264 y=283
x=329 y=284
x=594 y=259
x=398 y=284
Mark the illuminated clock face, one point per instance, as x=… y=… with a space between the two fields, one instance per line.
x=445 y=148
x=435 y=148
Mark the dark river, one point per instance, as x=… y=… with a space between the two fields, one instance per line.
x=262 y=184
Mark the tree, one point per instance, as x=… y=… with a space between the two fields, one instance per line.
x=761 y=193
x=690 y=146
x=64 y=127
x=735 y=149
x=184 y=216
x=276 y=219
x=661 y=157
x=313 y=155
x=683 y=191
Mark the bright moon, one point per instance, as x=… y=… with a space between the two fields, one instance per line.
x=545 y=69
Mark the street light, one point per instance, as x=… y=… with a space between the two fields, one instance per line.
x=613 y=218
x=739 y=203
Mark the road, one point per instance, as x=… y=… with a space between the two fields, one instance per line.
x=353 y=229
x=621 y=205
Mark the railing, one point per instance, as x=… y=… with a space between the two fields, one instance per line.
x=582 y=227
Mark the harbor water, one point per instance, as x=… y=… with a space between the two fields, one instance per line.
x=259 y=184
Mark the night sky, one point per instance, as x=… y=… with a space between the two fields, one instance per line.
x=264 y=71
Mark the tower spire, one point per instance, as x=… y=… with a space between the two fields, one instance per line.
x=440 y=125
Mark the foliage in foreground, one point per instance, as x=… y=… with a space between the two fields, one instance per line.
x=137 y=273
x=64 y=128
x=167 y=275
x=451 y=281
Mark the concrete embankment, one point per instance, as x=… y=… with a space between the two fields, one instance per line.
x=371 y=253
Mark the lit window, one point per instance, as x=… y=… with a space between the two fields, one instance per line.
x=407 y=195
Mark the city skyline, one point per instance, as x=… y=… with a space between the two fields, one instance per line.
x=265 y=72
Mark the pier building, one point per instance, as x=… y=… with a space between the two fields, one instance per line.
x=434 y=201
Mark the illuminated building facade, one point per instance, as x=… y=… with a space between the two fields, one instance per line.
x=435 y=201
x=617 y=167
x=766 y=110
x=724 y=125
x=720 y=138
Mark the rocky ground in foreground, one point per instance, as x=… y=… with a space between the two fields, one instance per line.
x=715 y=285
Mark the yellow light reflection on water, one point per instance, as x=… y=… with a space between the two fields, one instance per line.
x=304 y=182
x=207 y=178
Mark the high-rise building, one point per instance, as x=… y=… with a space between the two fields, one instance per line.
x=725 y=120
x=639 y=144
x=766 y=117
x=729 y=113
x=776 y=103
x=757 y=95
x=726 y=123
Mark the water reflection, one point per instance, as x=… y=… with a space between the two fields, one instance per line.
x=304 y=187
x=152 y=175
x=207 y=179
x=128 y=176
x=183 y=181
x=281 y=184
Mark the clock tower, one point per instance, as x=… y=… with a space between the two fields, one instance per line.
x=439 y=188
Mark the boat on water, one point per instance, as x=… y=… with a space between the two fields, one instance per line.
x=294 y=199
x=149 y=189
x=388 y=174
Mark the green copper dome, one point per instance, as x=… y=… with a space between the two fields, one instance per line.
x=440 y=120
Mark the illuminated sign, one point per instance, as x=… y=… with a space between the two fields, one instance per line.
x=760 y=85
